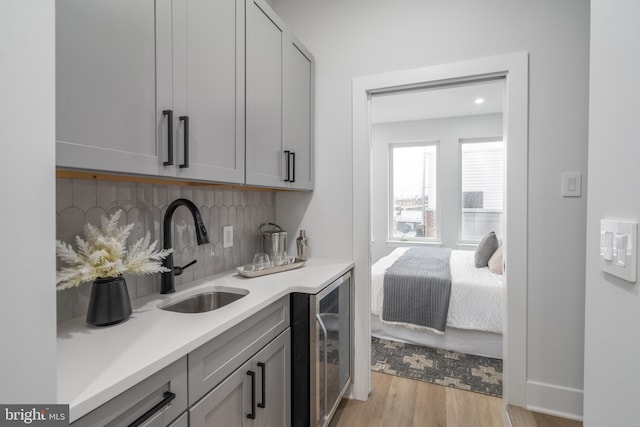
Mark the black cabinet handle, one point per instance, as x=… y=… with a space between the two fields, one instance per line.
x=252 y=415
x=185 y=120
x=262 y=404
x=169 y=113
x=293 y=167
x=167 y=397
x=287 y=155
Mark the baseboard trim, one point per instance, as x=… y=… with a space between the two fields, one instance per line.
x=555 y=400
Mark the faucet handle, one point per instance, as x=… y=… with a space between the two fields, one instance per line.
x=179 y=270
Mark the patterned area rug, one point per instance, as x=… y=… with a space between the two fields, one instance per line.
x=447 y=368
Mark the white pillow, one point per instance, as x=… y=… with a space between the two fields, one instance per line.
x=495 y=262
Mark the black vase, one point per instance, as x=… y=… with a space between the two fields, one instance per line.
x=109 y=302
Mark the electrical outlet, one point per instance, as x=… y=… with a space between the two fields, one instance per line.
x=227 y=236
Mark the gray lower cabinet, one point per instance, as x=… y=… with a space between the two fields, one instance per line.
x=182 y=421
x=214 y=361
x=242 y=377
x=154 y=402
x=256 y=394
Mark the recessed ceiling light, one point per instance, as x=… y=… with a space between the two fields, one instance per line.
x=479 y=101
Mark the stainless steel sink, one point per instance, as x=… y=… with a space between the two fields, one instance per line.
x=203 y=302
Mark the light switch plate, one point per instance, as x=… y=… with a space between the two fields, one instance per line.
x=571 y=184
x=615 y=234
x=227 y=236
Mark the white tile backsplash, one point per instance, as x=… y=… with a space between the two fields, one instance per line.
x=64 y=194
x=83 y=194
x=107 y=194
x=81 y=201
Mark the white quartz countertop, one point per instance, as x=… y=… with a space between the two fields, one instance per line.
x=95 y=364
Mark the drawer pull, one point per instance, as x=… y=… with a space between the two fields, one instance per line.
x=293 y=167
x=167 y=397
x=287 y=155
x=252 y=414
x=169 y=113
x=262 y=404
x=185 y=120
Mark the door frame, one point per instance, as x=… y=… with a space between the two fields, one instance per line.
x=514 y=68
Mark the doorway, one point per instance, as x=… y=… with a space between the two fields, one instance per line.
x=513 y=68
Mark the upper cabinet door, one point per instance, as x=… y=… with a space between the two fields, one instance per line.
x=106 y=86
x=208 y=89
x=299 y=100
x=265 y=34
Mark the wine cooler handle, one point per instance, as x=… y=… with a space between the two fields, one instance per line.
x=324 y=348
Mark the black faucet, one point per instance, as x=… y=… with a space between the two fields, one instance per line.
x=167 y=285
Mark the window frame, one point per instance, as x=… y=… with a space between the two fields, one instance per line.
x=461 y=141
x=393 y=241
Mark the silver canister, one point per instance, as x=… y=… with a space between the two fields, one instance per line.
x=274 y=240
x=302 y=245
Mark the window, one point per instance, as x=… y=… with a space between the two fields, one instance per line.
x=413 y=199
x=482 y=175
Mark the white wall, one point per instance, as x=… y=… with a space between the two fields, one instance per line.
x=27 y=134
x=364 y=37
x=612 y=342
x=447 y=132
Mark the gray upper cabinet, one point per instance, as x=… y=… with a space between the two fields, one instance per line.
x=151 y=87
x=279 y=102
x=299 y=101
x=201 y=90
x=106 y=87
x=208 y=89
x=264 y=101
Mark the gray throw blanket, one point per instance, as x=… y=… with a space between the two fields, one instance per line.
x=417 y=289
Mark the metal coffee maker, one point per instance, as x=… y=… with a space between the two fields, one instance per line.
x=274 y=240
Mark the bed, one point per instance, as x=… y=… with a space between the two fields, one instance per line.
x=474 y=323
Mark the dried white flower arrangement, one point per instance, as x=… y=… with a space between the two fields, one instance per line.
x=103 y=253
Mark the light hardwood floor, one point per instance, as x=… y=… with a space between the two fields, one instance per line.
x=522 y=418
x=401 y=402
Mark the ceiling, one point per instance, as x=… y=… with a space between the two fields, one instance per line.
x=440 y=102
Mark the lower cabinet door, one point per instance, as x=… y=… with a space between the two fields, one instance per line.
x=258 y=394
x=272 y=365
x=229 y=404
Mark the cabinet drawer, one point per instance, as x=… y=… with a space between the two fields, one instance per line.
x=133 y=403
x=183 y=421
x=211 y=363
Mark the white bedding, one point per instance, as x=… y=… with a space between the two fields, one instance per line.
x=476 y=293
